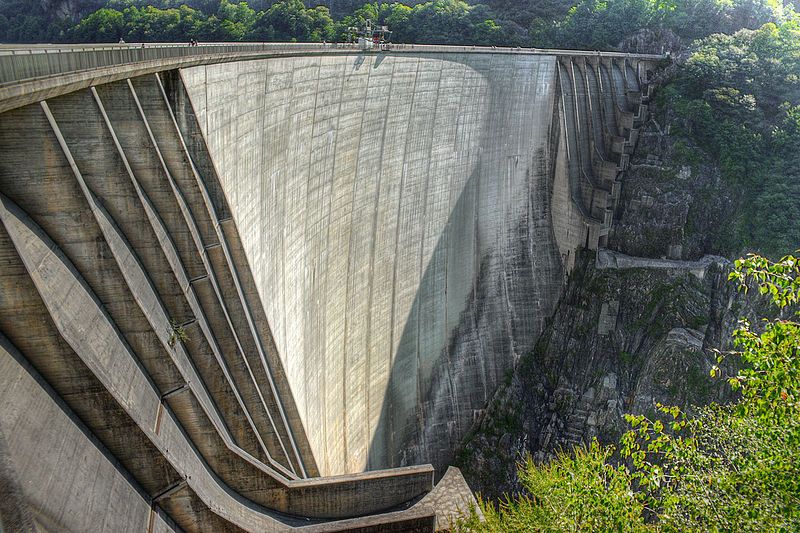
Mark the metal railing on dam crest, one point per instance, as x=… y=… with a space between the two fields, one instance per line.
x=28 y=72
x=24 y=62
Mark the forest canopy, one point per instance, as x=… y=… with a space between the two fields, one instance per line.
x=585 y=24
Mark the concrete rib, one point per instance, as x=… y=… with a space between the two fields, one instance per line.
x=193 y=230
x=596 y=115
x=203 y=410
x=182 y=281
x=584 y=123
x=166 y=196
x=577 y=191
x=227 y=268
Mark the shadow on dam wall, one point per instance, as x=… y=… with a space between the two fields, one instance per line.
x=431 y=398
x=397 y=222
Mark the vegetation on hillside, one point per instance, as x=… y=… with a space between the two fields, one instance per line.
x=603 y=25
x=438 y=21
x=587 y=24
x=737 y=100
x=724 y=468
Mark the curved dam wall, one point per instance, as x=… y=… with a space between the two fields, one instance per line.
x=396 y=212
x=225 y=273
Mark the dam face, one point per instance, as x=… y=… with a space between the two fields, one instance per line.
x=395 y=212
x=227 y=274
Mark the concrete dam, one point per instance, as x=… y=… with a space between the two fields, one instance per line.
x=265 y=287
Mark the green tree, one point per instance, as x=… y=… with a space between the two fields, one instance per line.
x=440 y=22
x=448 y=22
x=394 y=15
x=104 y=25
x=290 y=20
x=697 y=19
x=603 y=24
x=487 y=33
x=150 y=24
x=737 y=98
x=236 y=20
x=577 y=491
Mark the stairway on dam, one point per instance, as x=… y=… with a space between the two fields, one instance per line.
x=254 y=288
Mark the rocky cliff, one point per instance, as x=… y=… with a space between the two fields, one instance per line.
x=52 y=9
x=637 y=323
x=673 y=202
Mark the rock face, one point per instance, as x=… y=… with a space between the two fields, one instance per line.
x=671 y=205
x=621 y=340
x=635 y=326
x=652 y=41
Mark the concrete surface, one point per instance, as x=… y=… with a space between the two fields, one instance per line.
x=617 y=260
x=402 y=226
x=281 y=263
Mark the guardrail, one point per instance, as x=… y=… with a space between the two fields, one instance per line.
x=38 y=61
x=26 y=62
